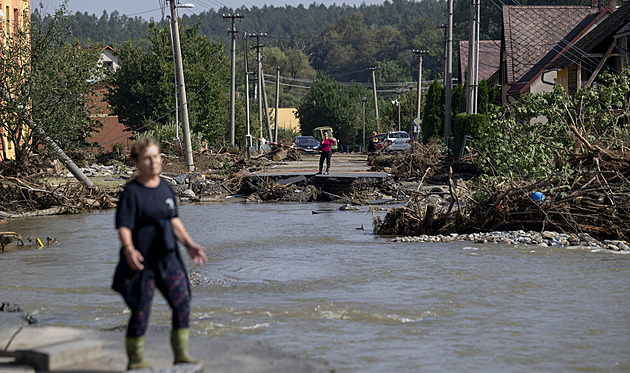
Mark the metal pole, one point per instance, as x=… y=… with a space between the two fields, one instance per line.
x=472 y=55
x=398 y=104
x=420 y=53
x=372 y=69
x=363 y=101
x=182 y=87
x=264 y=93
x=275 y=131
x=233 y=33
x=411 y=86
x=248 y=139
x=419 y=84
x=476 y=95
x=448 y=78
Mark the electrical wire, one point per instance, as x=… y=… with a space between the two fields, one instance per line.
x=155 y=121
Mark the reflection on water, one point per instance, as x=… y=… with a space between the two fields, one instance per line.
x=318 y=286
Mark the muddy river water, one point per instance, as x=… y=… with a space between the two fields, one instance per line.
x=318 y=286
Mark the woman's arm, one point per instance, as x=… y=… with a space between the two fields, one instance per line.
x=194 y=250
x=133 y=256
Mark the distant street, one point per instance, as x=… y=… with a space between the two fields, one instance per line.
x=342 y=165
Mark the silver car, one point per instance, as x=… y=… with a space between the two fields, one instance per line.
x=397 y=141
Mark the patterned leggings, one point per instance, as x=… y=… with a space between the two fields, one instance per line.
x=174 y=287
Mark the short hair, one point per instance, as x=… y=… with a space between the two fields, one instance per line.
x=139 y=146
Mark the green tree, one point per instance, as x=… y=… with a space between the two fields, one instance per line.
x=433 y=114
x=536 y=137
x=143 y=88
x=46 y=77
x=330 y=103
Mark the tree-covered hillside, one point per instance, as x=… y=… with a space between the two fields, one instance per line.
x=340 y=40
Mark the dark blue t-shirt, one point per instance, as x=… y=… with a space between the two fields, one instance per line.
x=147 y=212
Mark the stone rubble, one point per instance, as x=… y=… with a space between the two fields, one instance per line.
x=522 y=238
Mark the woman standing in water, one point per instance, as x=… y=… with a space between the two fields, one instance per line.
x=149 y=228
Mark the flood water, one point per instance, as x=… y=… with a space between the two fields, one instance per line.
x=316 y=286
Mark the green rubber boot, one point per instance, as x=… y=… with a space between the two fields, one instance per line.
x=179 y=342
x=135 y=353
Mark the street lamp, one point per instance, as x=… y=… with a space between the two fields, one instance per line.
x=411 y=87
x=419 y=53
x=363 y=104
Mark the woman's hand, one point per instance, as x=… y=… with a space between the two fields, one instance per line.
x=134 y=258
x=197 y=253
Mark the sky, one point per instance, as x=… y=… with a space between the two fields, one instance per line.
x=151 y=8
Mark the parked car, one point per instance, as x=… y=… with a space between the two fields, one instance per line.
x=307 y=143
x=380 y=140
x=397 y=141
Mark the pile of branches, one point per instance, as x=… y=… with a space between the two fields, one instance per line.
x=595 y=201
x=413 y=163
x=23 y=196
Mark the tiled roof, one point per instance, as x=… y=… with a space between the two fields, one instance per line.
x=489 y=58
x=625 y=31
x=605 y=30
x=574 y=35
x=530 y=32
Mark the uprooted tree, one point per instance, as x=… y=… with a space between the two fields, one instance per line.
x=572 y=148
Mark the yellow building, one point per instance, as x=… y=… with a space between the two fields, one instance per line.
x=14 y=15
x=286 y=119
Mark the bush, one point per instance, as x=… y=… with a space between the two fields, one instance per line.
x=467 y=125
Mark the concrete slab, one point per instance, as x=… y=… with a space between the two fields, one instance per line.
x=16 y=369
x=220 y=355
x=60 y=355
x=10 y=324
x=32 y=337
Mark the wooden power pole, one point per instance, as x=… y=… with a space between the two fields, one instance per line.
x=373 y=69
x=233 y=33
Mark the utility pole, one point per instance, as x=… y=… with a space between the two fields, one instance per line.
x=363 y=101
x=420 y=53
x=258 y=46
x=373 y=69
x=233 y=33
x=398 y=90
x=411 y=87
x=182 y=87
x=473 y=19
x=264 y=95
x=275 y=131
x=248 y=139
x=477 y=57
x=448 y=77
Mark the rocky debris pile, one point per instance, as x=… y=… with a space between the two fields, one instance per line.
x=520 y=237
x=594 y=201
